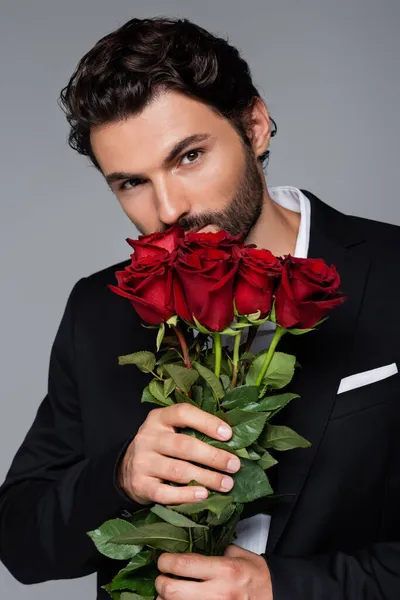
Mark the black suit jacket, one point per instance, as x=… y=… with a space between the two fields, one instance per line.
x=336 y=536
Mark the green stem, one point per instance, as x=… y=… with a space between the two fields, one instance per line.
x=217 y=338
x=235 y=359
x=279 y=332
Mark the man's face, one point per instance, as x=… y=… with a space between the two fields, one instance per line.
x=213 y=180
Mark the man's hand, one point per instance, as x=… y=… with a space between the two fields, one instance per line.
x=158 y=453
x=238 y=575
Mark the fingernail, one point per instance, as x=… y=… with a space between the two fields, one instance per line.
x=227 y=483
x=224 y=431
x=201 y=494
x=233 y=465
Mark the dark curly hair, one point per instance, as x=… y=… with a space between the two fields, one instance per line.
x=127 y=68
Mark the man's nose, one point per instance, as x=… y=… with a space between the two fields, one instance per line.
x=171 y=201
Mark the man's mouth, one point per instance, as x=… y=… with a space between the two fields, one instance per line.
x=205 y=229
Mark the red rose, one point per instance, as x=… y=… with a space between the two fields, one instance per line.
x=221 y=240
x=168 y=240
x=309 y=289
x=203 y=286
x=147 y=283
x=258 y=276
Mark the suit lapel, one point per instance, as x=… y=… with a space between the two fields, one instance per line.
x=322 y=356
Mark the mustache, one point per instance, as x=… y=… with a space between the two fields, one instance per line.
x=198 y=222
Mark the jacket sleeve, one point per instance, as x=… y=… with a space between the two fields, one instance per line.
x=370 y=573
x=53 y=494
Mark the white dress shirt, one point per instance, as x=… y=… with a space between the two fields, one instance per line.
x=252 y=533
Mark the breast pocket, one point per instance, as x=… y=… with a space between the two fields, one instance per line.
x=364 y=390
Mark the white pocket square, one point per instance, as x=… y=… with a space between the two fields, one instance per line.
x=366 y=377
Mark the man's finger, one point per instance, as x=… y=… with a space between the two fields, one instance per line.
x=162 y=493
x=184 y=446
x=181 y=471
x=187 y=415
x=179 y=589
x=195 y=566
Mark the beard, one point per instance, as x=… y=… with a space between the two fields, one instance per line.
x=243 y=211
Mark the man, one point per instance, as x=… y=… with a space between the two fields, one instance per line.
x=170 y=117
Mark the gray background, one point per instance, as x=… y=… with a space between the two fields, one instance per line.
x=329 y=74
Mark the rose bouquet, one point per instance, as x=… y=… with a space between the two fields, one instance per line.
x=198 y=290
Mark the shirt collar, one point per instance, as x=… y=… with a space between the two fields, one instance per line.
x=293 y=199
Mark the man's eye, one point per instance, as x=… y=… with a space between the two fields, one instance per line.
x=124 y=186
x=196 y=153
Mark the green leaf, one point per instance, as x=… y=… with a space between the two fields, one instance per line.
x=197 y=395
x=295 y=331
x=147 y=396
x=212 y=380
x=273 y=314
x=173 y=517
x=139 y=560
x=106 y=532
x=139 y=516
x=281 y=437
x=144 y=360
x=169 y=386
x=215 y=503
x=248 y=356
x=279 y=372
x=242 y=453
x=252 y=454
x=246 y=427
x=157 y=535
x=141 y=582
x=160 y=336
x=228 y=331
x=173 y=321
x=214 y=521
x=227 y=534
x=152 y=518
x=184 y=378
x=270 y=403
x=125 y=578
x=156 y=388
x=182 y=398
x=240 y=325
x=240 y=396
x=133 y=596
x=210 y=404
x=266 y=461
x=200 y=327
x=250 y=482
x=225 y=380
x=168 y=356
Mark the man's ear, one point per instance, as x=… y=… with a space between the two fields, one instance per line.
x=258 y=126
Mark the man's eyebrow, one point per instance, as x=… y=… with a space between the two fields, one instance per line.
x=171 y=156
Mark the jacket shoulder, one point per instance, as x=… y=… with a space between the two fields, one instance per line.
x=381 y=235
x=92 y=294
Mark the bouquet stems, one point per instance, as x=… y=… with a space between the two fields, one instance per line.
x=279 y=332
x=217 y=338
x=235 y=359
x=184 y=347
